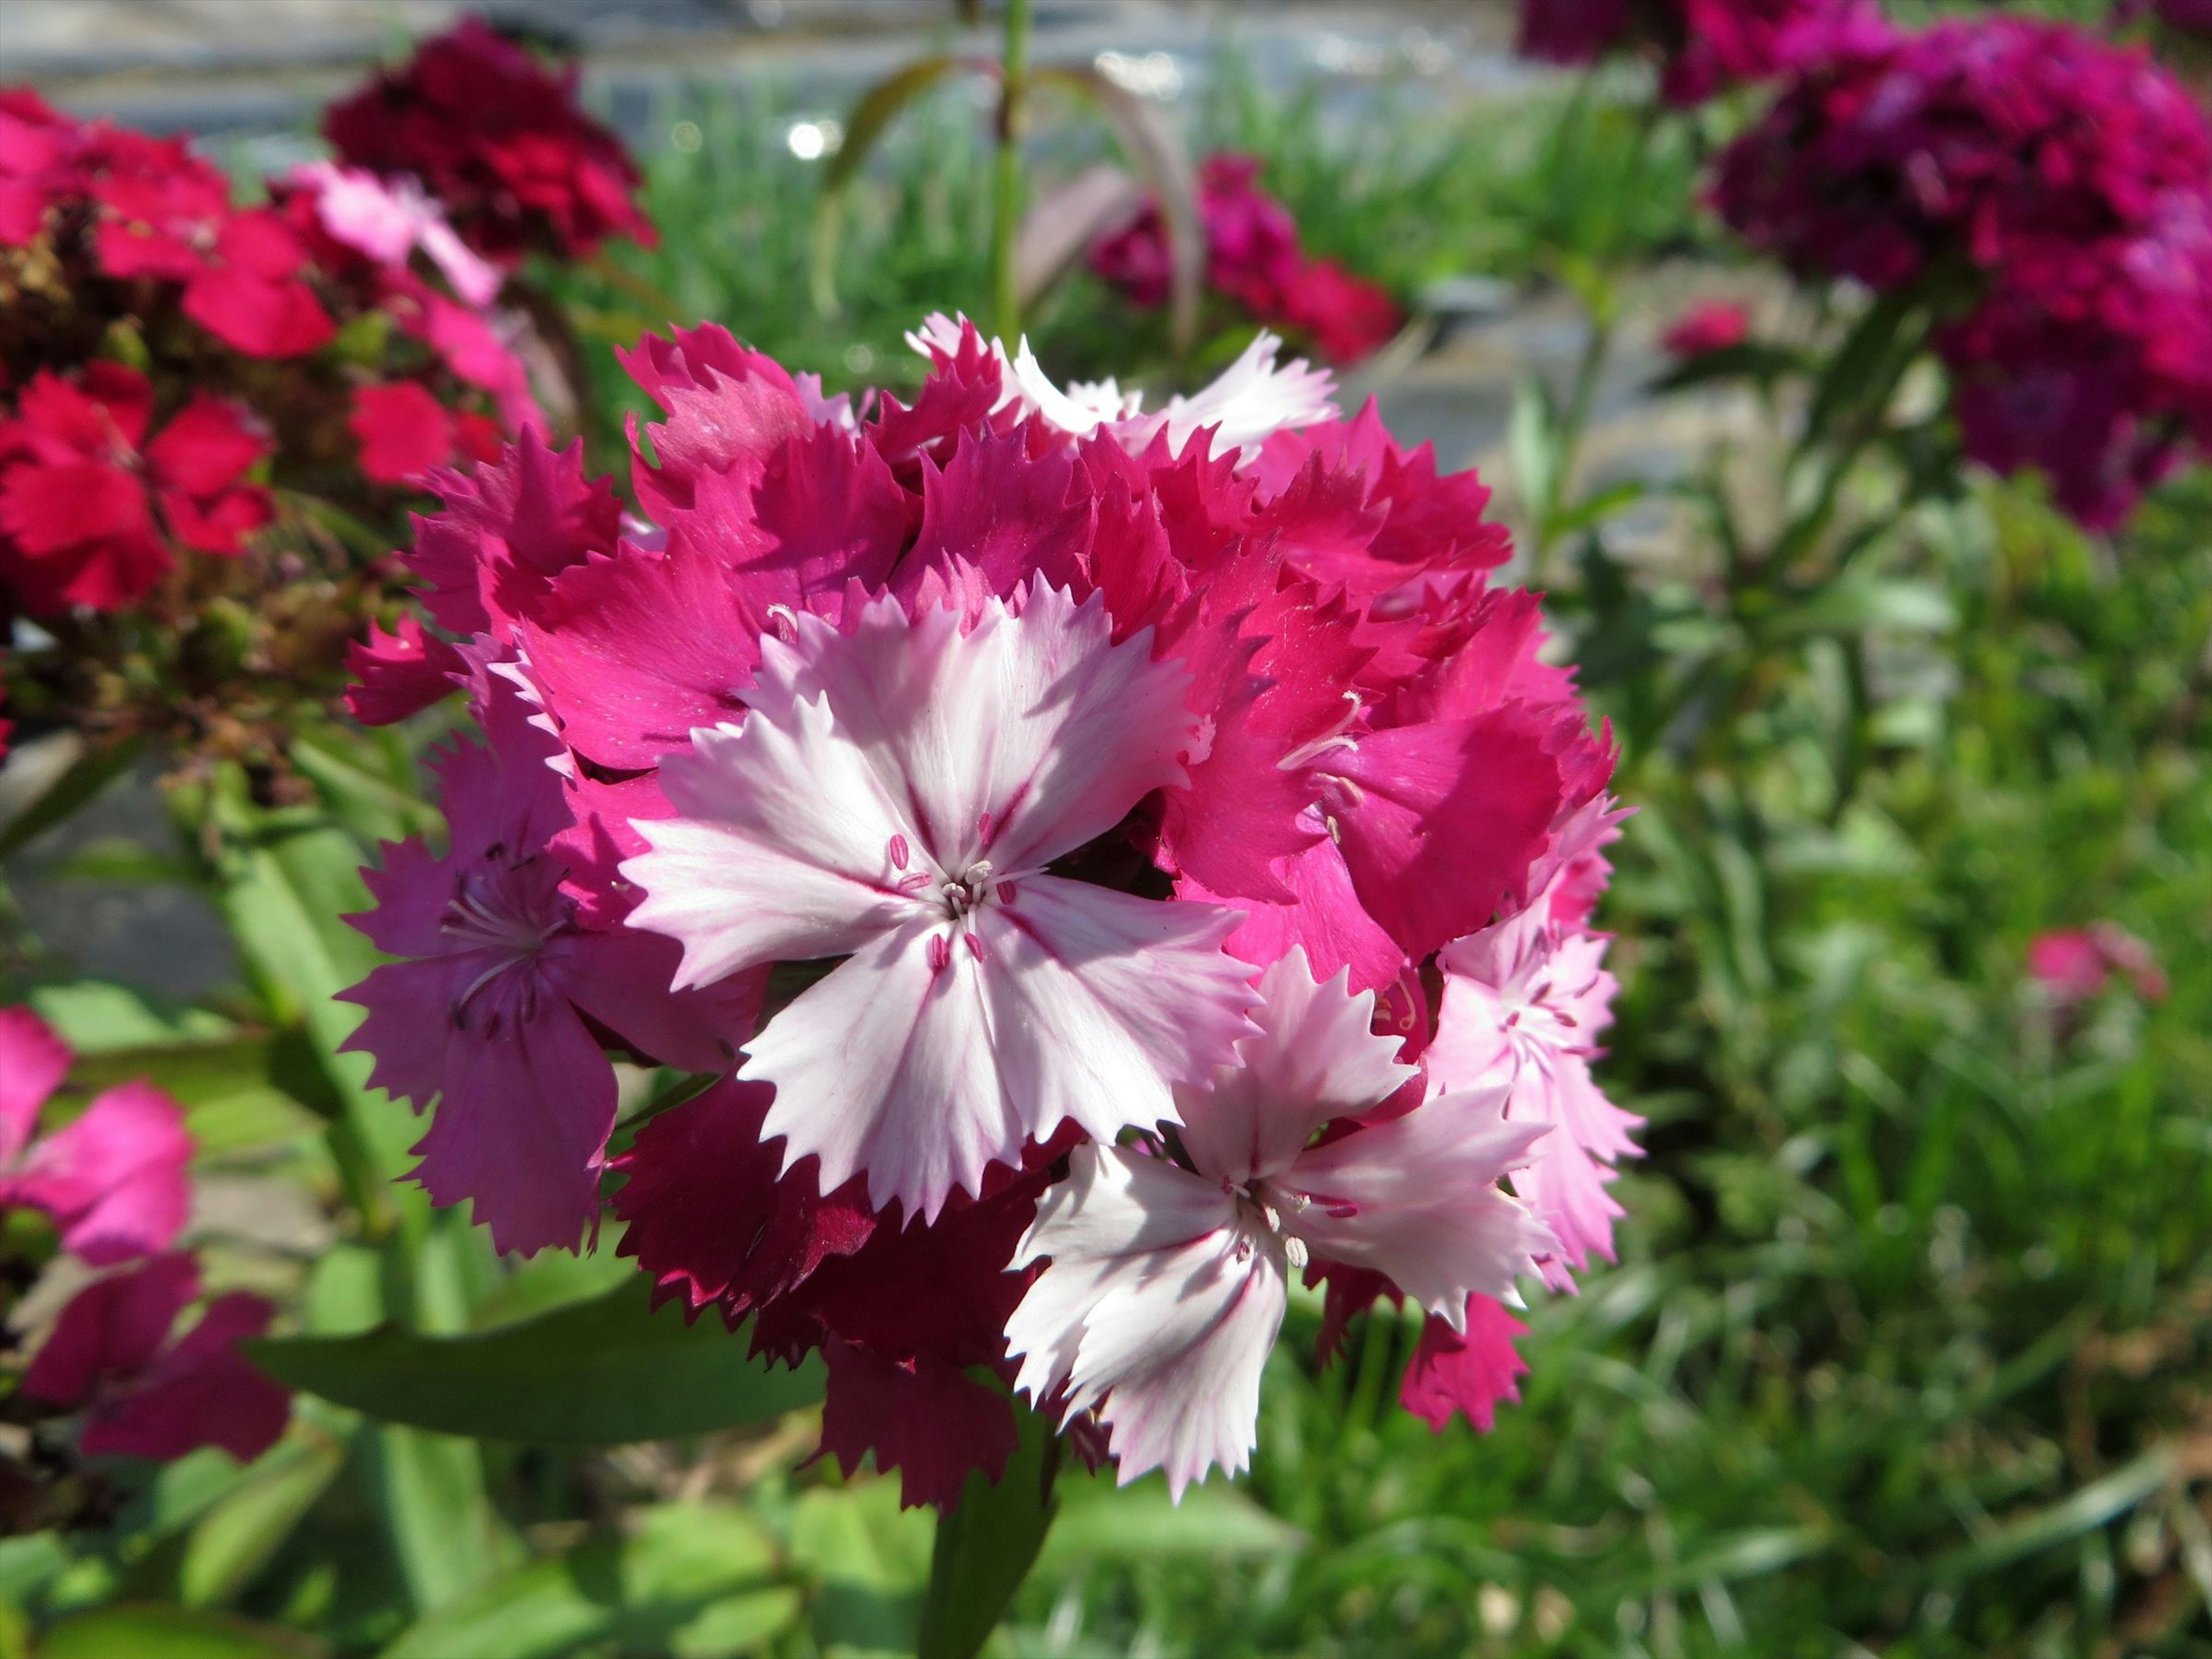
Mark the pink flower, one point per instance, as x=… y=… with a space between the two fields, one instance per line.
x=388 y=221
x=1524 y=1001
x=41 y=156
x=1706 y=46
x=147 y=1393
x=499 y=140
x=2076 y=964
x=170 y=215
x=79 y=487
x=112 y=1180
x=1167 y=1276
x=894 y=797
x=502 y=1005
x=1713 y=325
x=404 y=433
x=399 y=673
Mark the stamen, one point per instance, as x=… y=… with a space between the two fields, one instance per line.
x=913 y=882
x=975 y=946
x=1305 y=754
x=899 y=852
x=784 y=624
x=1006 y=892
x=1295 y=1248
x=940 y=953
x=984 y=826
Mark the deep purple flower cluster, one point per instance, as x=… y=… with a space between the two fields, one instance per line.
x=2060 y=185
x=1705 y=46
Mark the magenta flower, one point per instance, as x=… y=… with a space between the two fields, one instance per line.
x=1713 y=325
x=504 y=1005
x=112 y=1180
x=2074 y=964
x=894 y=797
x=148 y=1393
x=1169 y=1275
x=389 y=219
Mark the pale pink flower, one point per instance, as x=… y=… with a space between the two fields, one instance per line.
x=387 y=219
x=894 y=796
x=1168 y=1276
x=1524 y=1000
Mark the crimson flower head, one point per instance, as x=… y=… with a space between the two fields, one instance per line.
x=1714 y=326
x=500 y=141
x=89 y=507
x=1102 y=795
x=1705 y=46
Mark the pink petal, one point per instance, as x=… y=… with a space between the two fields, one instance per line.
x=636 y=650
x=506 y=531
x=201 y=1393
x=929 y=1420
x=399 y=673
x=403 y=431
x=113 y=1180
x=206 y=447
x=1157 y=1307
x=526 y=1105
x=827 y=510
x=1315 y=1058
x=33 y=1063
x=259 y=315
x=1469 y=1372
x=620 y=978
x=1416 y=1198
x=112 y=1328
x=1325 y=920
x=1007 y=513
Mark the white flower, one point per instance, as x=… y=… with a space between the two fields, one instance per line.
x=894 y=797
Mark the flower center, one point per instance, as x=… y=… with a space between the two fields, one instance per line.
x=500 y=912
x=1260 y=1211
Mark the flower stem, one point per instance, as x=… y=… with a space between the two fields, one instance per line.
x=1006 y=192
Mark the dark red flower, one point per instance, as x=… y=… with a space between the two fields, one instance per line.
x=500 y=140
x=1705 y=46
x=78 y=494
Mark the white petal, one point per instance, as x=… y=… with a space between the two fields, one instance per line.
x=886 y=1066
x=1036 y=727
x=781 y=850
x=1251 y=399
x=1102 y=1002
x=1315 y=1058
x=1158 y=1306
x=1416 y=1200
x=1080 y=410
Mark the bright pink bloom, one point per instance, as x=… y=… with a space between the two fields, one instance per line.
x=405 y=433
x=1167 y=1282
x=1711 y=326
x=894 y=797
x=1465 y=1370
x=1524 y=1002
x=112 y=1179
x=502 y=1008
x=41 y=154
x=147 y=1393
x=2075 y=964
x=499 y=140
x=1253 y=256
x=1706 y=46
x=400 y=673
x=78 y=493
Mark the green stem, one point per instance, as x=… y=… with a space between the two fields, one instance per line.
x=1006 y=192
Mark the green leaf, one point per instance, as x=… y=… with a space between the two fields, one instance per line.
x=603 y=1372
x=95 y=1016
x=869 y=1559
x=987 y=1544
x=373 y=809
x=878 y=107
x=166 y=1632
x=236 y=1538
x=430 y=1488
x=1532 y=445
x=694 y=1582
x=1101 y=1522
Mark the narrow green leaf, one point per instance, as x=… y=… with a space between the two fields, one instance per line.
x=1532 y=445
x=878 y=107
x=236 y=1538
x=431 y=1490
x=166 y=1632
x=603 y=1372
x=985 y=1545
x=1100 y=1522
x=2092 y=1506
x=96 y=1017
x=691 y=1582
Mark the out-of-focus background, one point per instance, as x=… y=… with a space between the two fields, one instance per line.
x=1906 y=1353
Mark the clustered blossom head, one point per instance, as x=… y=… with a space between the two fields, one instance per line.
x=1705 y=46
x=174 y=363
x=500 y=140
x=2074 y=964
x=2052 y=192
x=1063 y=827
x=112 y=1183
x=1253 y=257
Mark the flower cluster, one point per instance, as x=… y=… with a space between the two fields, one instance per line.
x=201 y=399
x=1112 y=860
x=1705 y=46
x=2052 y=193
x=112 y=1184
x=2075 y=964
x=1253 y=257
x=500 y=140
